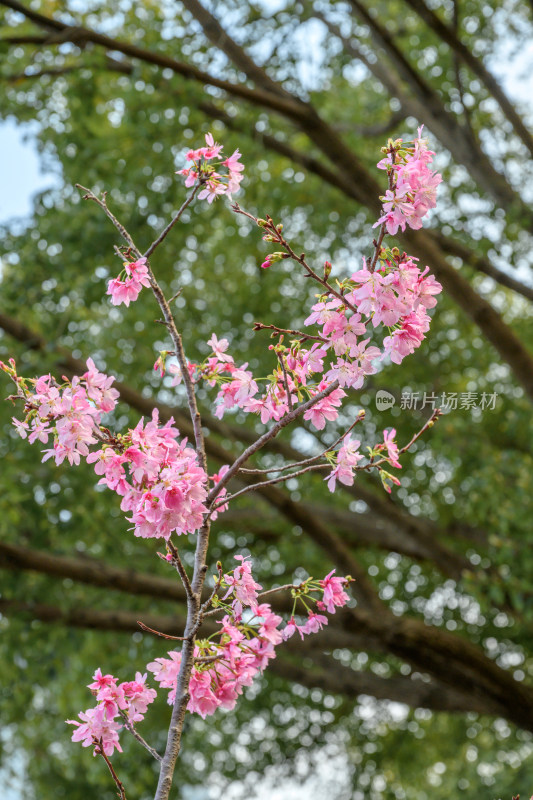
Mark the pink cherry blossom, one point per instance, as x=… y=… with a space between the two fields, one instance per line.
x=334 y=594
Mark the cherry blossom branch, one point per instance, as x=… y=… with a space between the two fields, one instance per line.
x=271 y=482
x=159 y=633
x=429 y=424
x=206 y=659
x=178 y=563
x=360 y=417
x=285 y=380
x=377 y=246
x=99 y=750
x=383 y=229
x=172 y=222
x=131 y=728
x=266 y=437
x=276 y=589
x=300 y=259
x=211 y=597
x=372 y=464
x=260 y=596
x=260 y=326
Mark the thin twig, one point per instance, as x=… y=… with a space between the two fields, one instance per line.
x=206 y=659
x=310 y=460
x=383 y=229
x=129 y=727
x=429 y=424
x=159 y=633
x=118 y=225
x=266 y=437
x=260 y=326
x=300 y=259
x=279 y=479
x=178 y=563
x=171 y=224
x=99 y=750
x=373 y=464
x=279 y=589
x=216 y=587
x=377 y=246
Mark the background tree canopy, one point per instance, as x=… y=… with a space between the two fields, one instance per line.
x=425 y=686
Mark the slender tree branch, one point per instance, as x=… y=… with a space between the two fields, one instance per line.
x=272 y=482
x=290 y=417
x=131 y=728
x=99 y=750
x=159 y=633
x=172 y=222
x=177 y=562
x=449 y=35
x=259 y=326
x=285 y=381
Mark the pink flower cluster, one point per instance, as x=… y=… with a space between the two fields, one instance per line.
x=157 y=476
x=128 y=701
x=414 y=185
x=126 y=288
x=238 y=387
x=348 y=456
x=163 y=488
x=247 y=641
x=70 y=413
x=213 y=183
x=396 y=295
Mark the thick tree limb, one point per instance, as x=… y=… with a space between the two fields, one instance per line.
x=446 y=34
x=480 y=681
x=466 y=150
x=329 y=675
x=79 y=34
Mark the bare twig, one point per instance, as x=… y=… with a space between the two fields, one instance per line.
x=131 y=728
x=171 y=224
x=260 y=326
x=178 y=563
x=279 y=479
x=159 y=633
x=102 y=202
x=305 y=461
x=99 y=750
x=300 y=259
